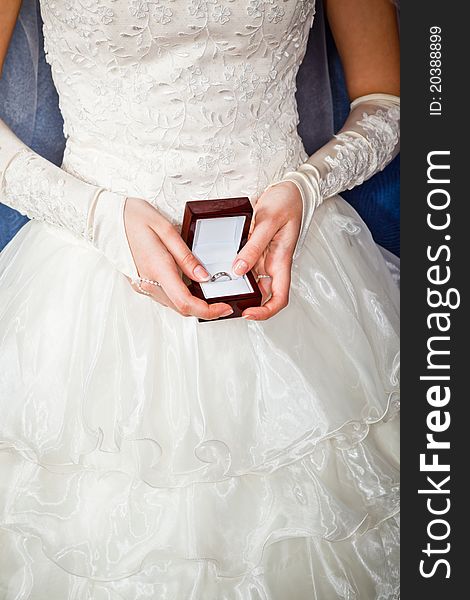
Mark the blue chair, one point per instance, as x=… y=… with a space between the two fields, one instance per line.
x=29 y=104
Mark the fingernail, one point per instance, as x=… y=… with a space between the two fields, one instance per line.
x=240 y=267
x=249 y=317
x=227 y=313
x=201 y=273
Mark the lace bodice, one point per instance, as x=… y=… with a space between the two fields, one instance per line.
x=171 y=101
x=174 y=100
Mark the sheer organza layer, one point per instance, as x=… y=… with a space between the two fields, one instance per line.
x=145 y=455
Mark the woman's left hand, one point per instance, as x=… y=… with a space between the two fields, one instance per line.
x=270 y=247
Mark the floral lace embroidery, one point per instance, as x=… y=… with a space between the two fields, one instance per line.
x=31 y=185
x=357 y=157
x=349 y=167
x=383 y=132
x=354 y=155
x=152 y=90
x=170 y=100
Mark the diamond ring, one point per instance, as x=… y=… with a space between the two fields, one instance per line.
x=219 y=275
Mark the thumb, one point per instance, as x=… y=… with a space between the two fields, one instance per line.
x=253 y=250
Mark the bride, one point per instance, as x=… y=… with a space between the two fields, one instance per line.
x=148 y=455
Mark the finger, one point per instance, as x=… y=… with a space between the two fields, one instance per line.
x=188 y=305
x=156 y=293
x=253 y=250
x=280 y=285
x=264 y=283
x=160 y=266
x=183 y=256
x=180 y=296
x=265 y=287
x=148 y=247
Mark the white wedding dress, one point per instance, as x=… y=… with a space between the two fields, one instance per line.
x=149 y=456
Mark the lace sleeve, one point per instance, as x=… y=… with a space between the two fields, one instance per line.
x=42 y=191
x=368 y=141
x=38 y=189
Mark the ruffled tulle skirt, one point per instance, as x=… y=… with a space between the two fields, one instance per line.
x=149 y=456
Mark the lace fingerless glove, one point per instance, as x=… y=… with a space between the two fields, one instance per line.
x=42 y=191
x=367 y=142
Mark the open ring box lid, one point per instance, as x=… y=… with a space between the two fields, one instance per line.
x=215 y=231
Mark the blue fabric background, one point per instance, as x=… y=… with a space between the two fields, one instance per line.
x=378 y=199
x=29 y=104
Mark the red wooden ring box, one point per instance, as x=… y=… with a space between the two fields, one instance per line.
x=215 y=231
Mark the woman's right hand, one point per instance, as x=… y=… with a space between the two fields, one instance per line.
x=159 y=254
